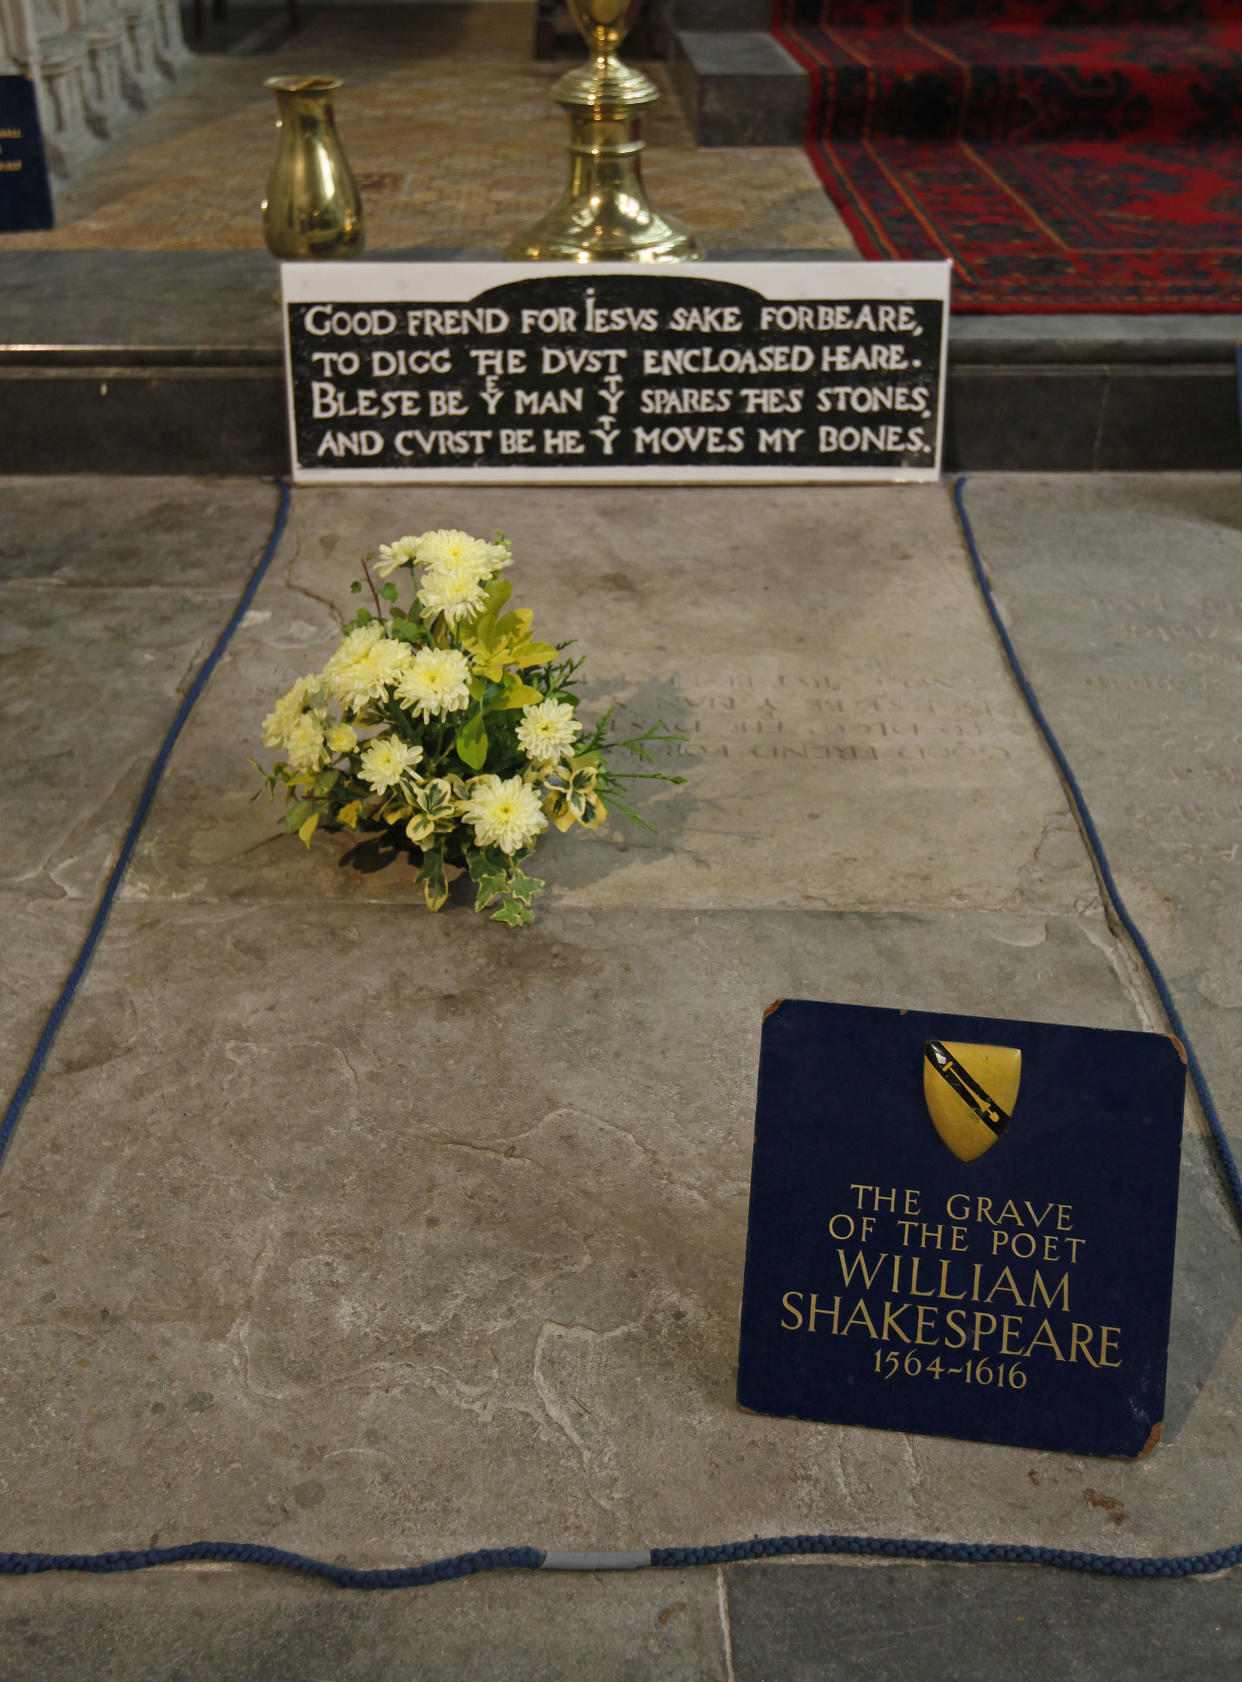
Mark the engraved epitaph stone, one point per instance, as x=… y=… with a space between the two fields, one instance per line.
x=559 y=373
x=1022 y=1297
x=25 y=198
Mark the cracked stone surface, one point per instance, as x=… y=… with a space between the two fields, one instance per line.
x=109 y=602
x=379 y=1236
x=359 y=1207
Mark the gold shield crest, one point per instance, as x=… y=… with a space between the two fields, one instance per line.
x=971 y=1091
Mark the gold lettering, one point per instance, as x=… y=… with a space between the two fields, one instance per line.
x=1043 y=1339
x=1005 y=1282
x=1064 y=1213
x=1011 y=1325
x=890 y=1321
x=1080 y=1338
x=1038 y=1288
x=1107 y=1343
x=786 y=1326
x=955 y=1322
x=914 y=1279
x=951 y=1212
x=860 y=1313
x=826 y=1312
x=925 y=1320
x=944 y=1291
x=982 y=1331
x=859 y=1265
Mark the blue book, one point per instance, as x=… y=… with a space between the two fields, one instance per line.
x=25 y=197
x=962 y=1226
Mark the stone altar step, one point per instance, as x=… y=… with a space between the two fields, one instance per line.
x=170 y=362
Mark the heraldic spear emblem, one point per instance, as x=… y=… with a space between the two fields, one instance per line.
x=971 y=1091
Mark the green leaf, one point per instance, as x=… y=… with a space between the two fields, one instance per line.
x=515 y=694
x=471 y=742
x=497 y=594
x=513 y=914
x=388 y=591
x=524 y=888
x=532 y=654
x=487 y=874
x=431 y=875
x=355 y=589
x=327 y=780
x=297 y=815
x=489 y=886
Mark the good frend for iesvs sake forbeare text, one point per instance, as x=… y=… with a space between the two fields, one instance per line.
x=738 y=373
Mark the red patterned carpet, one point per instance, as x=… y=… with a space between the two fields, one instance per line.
x=1066 y=154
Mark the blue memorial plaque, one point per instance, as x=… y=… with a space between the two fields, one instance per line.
x=25 y=198
x=962 y=1227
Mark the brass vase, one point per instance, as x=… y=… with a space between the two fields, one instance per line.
x=604 y=214
x=312 y=208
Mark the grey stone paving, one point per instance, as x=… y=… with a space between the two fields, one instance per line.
x=110 y=597
x=975 y=1623
x=379 y=1236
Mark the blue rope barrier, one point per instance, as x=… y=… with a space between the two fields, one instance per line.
x=1207 y=1104
x=26 y=1085
x=724 y=1553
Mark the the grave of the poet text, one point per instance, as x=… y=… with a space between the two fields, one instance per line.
x=728 y=373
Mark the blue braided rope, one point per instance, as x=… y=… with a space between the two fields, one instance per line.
x=26 y=1085
x=725 y=1553
x=955 y=1553
x=1207 y=1103
x=250 y=1553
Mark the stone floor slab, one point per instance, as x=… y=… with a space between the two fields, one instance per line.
x=925 y=1623
x=854 y=740
x=183 y=1625
x=348 y=1229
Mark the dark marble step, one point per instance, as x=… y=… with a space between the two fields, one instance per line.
x=170 y=362
x=739 y=87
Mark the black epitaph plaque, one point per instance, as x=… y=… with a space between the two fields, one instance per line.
x=25 y=198
x=686 y=373
x=1020 y=1297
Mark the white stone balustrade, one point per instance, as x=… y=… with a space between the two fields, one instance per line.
x=95 y=65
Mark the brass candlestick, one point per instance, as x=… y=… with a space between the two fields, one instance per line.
x=312 y=208
x=604 y=214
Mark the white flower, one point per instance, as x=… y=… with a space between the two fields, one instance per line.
x=547 y=730
x=436 y=682
x=364 y=666
x=453 y=588
x=393 y=555
x=504 y=813
x=457 y=549
x=456 y=566
x=304 y=744
x=288 y=710
x=342 y=738
x=386 y=761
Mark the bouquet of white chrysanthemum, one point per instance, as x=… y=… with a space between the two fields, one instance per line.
x=447 y=726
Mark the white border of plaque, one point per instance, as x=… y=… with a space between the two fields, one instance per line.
x=798 y=383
